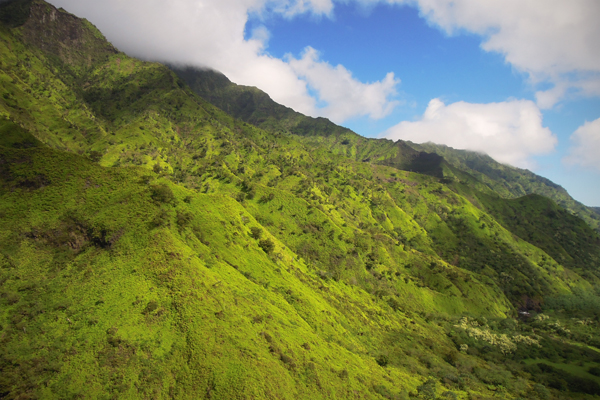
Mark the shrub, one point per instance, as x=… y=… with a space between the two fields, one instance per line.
x=240 y=197
x=382 y=360
x=255 y=232
x=267 y=198
x=449 y=395
x=95 y=156
x=184 y=218
x=384 y=392
x=267 y=245
x=162 y=194
x=451 y=357
x=594 y=371
x=289 y=361
x=161 y=219
x=428 y=390
x=153 y=305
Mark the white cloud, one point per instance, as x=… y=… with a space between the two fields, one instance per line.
x=585 y=150
x=345 y=96
x=289 y=8
x=511 y=132
x=210 y=33
x=553 y=41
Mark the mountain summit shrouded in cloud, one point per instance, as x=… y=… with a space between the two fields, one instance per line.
x=321 y=58
x=511 y=132
x=212 y=34
x=552 y=42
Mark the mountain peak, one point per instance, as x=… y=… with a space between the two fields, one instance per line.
x=75 y=41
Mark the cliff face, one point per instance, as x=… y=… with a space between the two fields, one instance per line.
x=74 y=41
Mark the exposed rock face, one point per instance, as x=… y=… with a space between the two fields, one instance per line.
x=63 y=35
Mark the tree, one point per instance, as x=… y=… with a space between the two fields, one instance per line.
x=162 y=194
x=95 y=156
x=267 y=245
x=255 y=232
x=428 y=390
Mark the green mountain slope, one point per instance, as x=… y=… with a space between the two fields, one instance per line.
x=510 y=182
x=257 y=108
x=154 y=246
x=117 y=285
x=468 y=248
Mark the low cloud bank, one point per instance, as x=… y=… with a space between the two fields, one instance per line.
x=511 y=132
x=554 y=42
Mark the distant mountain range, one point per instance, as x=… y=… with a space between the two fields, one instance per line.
x=166 y=233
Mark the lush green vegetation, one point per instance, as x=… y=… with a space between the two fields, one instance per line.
x=478 y=170
x=510 y=182
x=155 y=245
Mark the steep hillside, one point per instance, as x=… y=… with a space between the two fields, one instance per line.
x=257 y=108
x=154 y=246
x=510 y=182
x=117 y=281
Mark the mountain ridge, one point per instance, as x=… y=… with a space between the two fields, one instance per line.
x=256 y=107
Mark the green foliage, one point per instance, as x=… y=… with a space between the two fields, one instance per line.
x=162 y=193
x=12 y=135
x=95 y=156
x=255 y=232
x=562 y=380
x=267 y=245
x=594 y=371
x=428 y=390
x=184 y=218
x=162 y=219
x=507 y=181
x=14 y=13
x=582 y=303
x=343 y=270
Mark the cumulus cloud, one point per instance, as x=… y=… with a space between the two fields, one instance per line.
x=211 y=33
x=345 y=96
x=553 y=41
x=511 y=132
x=585 y=150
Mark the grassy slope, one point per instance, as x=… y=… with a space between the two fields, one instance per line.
x=566 y=238
x=458 y=232
x=112 y=295
x=111 y=284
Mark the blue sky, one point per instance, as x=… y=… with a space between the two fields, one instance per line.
x=519 y=80
x=431 y=64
